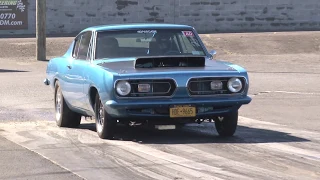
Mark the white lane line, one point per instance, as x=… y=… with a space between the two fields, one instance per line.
x=300 y=93
x=294 y=151
x=257 y=122
x=285 y=92
x=281 y=147
x=299 y=133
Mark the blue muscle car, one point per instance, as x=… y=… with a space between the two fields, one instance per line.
x=159 y=74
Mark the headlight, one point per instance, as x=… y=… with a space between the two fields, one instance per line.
x=123 y=88
x=234 y=85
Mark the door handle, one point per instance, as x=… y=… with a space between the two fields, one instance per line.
x=69 y=66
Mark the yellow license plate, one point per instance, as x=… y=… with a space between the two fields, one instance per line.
x=182 y=111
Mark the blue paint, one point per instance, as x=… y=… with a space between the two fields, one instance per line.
x=84 y=75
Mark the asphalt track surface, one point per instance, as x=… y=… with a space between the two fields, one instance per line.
x=278 y=135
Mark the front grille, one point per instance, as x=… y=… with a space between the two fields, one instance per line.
x=201 y=86
x=158 y=88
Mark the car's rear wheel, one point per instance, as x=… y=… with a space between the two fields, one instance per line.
x=105 y=124
x=64 y=116
x=226 y=126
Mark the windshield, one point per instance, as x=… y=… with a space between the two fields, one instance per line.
x=137 y=43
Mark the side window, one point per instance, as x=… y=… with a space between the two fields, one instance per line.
x=84 y=44
x=76 y=47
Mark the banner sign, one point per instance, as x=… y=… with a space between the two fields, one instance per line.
x=13 y=14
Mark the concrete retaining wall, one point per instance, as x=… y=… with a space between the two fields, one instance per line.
x=71 y=16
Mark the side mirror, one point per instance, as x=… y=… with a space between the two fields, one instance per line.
x=213 y=53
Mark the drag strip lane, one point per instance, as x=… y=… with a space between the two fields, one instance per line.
x=260 y=150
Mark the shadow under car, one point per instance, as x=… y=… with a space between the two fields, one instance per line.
x=197 y=134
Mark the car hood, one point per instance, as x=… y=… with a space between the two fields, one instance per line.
x=127 y=66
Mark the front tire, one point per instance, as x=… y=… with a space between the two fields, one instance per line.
x=227 y=125
x=105 y=124
x=64 y=116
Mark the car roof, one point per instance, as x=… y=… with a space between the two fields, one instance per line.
x=136 y=26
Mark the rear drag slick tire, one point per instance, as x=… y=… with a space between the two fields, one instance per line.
x=63 y=115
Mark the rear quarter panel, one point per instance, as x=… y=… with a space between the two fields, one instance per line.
x=56 y=69
x=56 y=66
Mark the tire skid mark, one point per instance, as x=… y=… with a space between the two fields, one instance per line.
x=33 y=143
x=92 y=163
x=144 y=171
x=311 y=137
x=89 y=156
x=312 y=146
x=294 y=170
x=288 y=151
x=275 y=157
x=45 y=135
x=75 y=139
x=179 y=164
x=184 y=164
x=271 y=162
x=221 y=161
x=118 y=155
x=74 y=159
x=168 y=165
x=13 y=135
x=71 y=146
x=155 y=165
x=270 y=159
x=159 y=171
x=82 y=158
x=146 y=165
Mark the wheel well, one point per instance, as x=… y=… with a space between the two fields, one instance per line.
x=54 y=82
x=93 y=92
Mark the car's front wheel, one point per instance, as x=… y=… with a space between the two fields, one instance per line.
x=105 y=124
x=226 y=126
x=64 y=116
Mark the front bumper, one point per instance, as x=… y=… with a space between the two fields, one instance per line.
x=159 y=108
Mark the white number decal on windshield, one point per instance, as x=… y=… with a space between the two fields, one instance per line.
x=187 y=33
x=147 y=31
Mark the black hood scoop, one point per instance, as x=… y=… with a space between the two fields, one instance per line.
x=158 y=62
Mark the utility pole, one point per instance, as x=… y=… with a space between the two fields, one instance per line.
x=41 y=29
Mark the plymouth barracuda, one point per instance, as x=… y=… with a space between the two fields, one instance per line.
x=159 y=74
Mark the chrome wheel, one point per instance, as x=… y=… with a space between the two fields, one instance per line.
x=58 y=104
x=105 y=124
x=100 y=119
